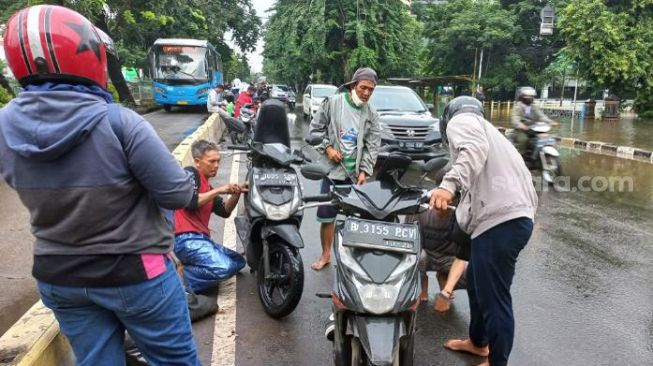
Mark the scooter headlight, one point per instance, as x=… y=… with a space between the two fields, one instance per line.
x=282 y=212
x=347 y=260
x=378 y=298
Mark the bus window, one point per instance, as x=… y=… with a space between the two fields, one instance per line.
x=180 y=63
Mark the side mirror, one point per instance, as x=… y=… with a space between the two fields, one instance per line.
x=435 y=164
x=430 y=106
x=313 y=140
x=314 y=171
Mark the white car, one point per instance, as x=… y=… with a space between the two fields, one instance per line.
x=314 y=94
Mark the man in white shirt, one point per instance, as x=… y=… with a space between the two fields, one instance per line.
x=216 y=99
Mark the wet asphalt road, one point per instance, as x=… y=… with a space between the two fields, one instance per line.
x=582 y=294
x=17 y=286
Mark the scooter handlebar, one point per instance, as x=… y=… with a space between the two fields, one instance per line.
x=318 y=198
x=238 y=147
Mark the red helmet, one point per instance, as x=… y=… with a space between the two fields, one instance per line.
x=53 y=43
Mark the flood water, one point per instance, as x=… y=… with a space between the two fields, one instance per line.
x=627 y=131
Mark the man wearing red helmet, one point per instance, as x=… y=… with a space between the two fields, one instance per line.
x=94 y=176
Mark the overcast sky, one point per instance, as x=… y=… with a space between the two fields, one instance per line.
x=255 y=58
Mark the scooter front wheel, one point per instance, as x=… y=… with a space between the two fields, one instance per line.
x=281 y=289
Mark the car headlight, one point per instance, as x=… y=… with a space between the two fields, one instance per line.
x=159 y=90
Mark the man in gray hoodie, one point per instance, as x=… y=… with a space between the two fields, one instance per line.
x=496 y=209
x=351 y=136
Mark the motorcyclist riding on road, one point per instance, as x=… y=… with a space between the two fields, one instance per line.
x=524 y=114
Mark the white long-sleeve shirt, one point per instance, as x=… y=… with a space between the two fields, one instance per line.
x=214 y=101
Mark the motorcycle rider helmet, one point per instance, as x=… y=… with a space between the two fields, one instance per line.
x=52 y=43
x=463 y=104
x=526 y=94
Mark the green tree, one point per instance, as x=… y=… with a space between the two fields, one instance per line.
x=459 y=30
x=135 y=25
x=613 y=43
x=330 y=39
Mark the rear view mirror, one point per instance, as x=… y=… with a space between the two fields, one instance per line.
x=314 y=171
x=435 y=164
x=234 y=124
x=314 y=140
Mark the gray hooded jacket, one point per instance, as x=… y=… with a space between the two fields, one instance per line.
x=495 y=184
x=327 y=123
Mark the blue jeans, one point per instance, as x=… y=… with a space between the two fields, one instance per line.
x=489 y=277
x=154 y=313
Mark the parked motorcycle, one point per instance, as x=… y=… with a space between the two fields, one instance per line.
x=376 y=287
x=541 y=153
x=270 y=228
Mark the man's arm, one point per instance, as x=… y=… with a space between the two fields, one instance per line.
x=224 y=209
x=320 y=126
x=468 y=138
x=516 y=116
x=540 y=116
x=152 y=164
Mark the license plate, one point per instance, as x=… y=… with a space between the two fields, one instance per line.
x=411 y=145
x=182 y=102
x=381 y=235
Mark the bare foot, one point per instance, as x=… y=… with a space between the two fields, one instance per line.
x=465 y=345
x=441 y=303
x=423 y=297
x=319 y=264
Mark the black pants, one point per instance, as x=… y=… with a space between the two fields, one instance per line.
x=489 y=277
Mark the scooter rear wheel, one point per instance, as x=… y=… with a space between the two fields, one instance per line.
x=281 y=292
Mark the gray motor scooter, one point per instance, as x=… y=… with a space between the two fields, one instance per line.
x=376 y=287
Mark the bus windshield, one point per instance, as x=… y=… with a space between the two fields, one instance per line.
x=180 y=64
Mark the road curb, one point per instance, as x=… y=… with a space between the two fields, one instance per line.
x=606 y=148
x=35 y=340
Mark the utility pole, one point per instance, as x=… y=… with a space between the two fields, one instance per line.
x=480 y=65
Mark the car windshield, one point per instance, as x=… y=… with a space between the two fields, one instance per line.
x=323 y=92
x=396 y=99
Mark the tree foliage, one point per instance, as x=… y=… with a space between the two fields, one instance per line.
x=135 y=25
x=613 y=43
x=331 y=39
x=507 y=31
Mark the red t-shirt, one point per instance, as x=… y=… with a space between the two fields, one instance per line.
x=243 y=98
x=197 y=220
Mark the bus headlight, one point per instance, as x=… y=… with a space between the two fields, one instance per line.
x=159 y=90
x=202 y=91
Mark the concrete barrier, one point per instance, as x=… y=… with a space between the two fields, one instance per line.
x=211 y=130
x=35 y=340
x=606 y=148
